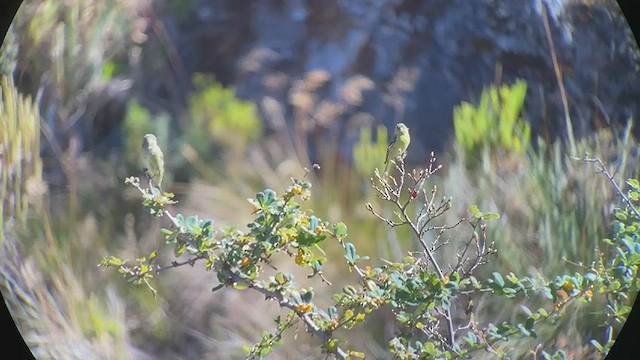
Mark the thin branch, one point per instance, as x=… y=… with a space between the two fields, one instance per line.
x=325 y=336
x=606 y=173
x=558 y=73
x=175 y=264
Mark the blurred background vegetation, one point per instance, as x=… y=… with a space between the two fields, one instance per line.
x=73 y=116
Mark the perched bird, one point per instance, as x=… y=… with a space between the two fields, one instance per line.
x=398 y=144
x=153 y=160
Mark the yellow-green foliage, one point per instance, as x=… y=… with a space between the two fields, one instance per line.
x=495 y=123
x=220 y=117
x=369 y=154
x=20 y=165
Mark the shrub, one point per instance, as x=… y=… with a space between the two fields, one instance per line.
x=496 y=123
x=367 y=153
x=431 y=300
x=219 y=117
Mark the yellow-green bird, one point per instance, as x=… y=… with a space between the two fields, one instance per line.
x=398 y=144
x=153 y=159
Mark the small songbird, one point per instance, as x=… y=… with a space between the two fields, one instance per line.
x=153 y=160
x=398 y=144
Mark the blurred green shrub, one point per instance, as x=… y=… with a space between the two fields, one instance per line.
x=221 y=118
x=495 y=123
x=20 y=163
x=369 y=154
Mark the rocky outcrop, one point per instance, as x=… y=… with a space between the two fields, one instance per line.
x=414 y=60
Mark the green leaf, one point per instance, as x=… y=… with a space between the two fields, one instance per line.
x=340 y=230
x=307 y=297
x=266 y=198
x=281 y=278
x=180 y=249
x=490 y=216
x=266 y=351
x=351 y=255
x=309 y=238
x=526 y=310
x=114 y=261
x=430 y=348
x=591 y=276
x=240 y=286
x=475 y=211
x=314 y=223
x=509 y=292
x=634 y=183
x=471 y=339
x=333 y=312
x=597 y=345
x=296 y=297
x=529 y=323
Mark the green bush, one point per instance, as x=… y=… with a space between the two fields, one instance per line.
x=496 y=123
x=431 y=300
x=367 y=153
x=220 y=118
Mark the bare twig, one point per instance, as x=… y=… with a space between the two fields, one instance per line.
x=324 y=336
x=392 y=193
x=603 y=169
x=558 y=73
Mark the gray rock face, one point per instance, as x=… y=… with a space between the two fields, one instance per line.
x=414 y=60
